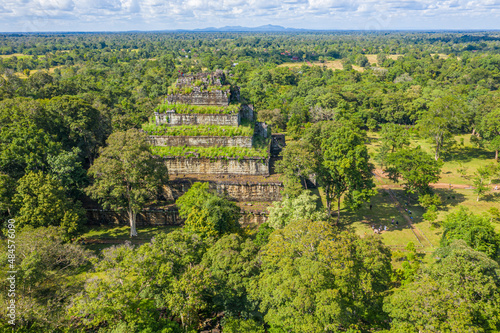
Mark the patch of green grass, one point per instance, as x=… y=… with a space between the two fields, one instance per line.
x=123 y=232
x=99 y=238
x=462 y=155
x=382 y=212
x=198 y=130
x=199 y=109
x=211 y=152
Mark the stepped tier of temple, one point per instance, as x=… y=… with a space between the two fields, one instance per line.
x=201 y=128
x=203 y=133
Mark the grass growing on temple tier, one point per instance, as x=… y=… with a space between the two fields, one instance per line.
x=199 y=109
x=198 y=130
x=211 y=152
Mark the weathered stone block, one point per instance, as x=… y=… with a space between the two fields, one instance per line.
x=201 y=141
x=239 y=191
x=215 y=97
x=218 y=166
x=176 y=119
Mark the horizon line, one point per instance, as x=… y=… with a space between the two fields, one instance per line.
x=290 y=30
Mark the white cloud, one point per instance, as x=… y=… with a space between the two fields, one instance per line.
x=32 y=15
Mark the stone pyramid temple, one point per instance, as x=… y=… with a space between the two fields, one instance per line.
x=204 y=133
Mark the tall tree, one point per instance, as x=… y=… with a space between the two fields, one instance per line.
x=394 y=136
x=288 y=210
x=75 y=123
x=232 y=262
x=47 y=269
x=297 y=163
x=458 y=293
x=316 y=279
x=415 y=167
x=41 y=200
x=489 y=129
x=343 y=166
x=444 y=117
x=207 y=213
x=476 y=230
x=126 y=175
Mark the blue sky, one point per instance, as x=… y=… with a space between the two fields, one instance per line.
x=120 y=15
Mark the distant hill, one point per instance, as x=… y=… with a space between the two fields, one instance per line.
x=238 y=28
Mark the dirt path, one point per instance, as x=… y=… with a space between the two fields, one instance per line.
x=419 y=235
x=422 y=239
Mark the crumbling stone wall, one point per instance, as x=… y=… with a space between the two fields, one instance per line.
x=247 y=112
x=278 y=142
x=218 y=166
x=217 y=78
x=239 y=191
x=250 y=191
x=215 y=97
x=201 y=141
x=175 y=119
x=262 y=129
x=169 y=217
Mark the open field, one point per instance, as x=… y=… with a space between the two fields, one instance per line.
x=100 y=238
x=337 y=64
x=17 y=55
x=461 y=155
x=391 y=200
x=332 y=64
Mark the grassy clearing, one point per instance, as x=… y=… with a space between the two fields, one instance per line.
x=199 y=109
x=198 y=130
x=100 y=238
x=17 y=55
x=382 y=212
x=462 y=155
x=33 y=71
x=210 y=152
x=332 y=64
x=337 y=64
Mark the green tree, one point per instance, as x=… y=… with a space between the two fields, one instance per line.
x=41 y=201
x=410 y=267
x=431 y=214
x=126 y=175
x=346 y=170
x=24 y=145
x=122 y=299
x=7 y=190
x=427 y=200
x=394 y=136
x=315 y=279
x=240 y=325
x=67 y=168
x=458 y=293
x=444 y=117
x=189 y=295
x=477 y=231
x=288 y=210
x=232 y=263
x=416 y=168
x=75 y=123
x=206 y=213
x=480 y=188
x=47 y=277
x=489 y=128
x=297 y=163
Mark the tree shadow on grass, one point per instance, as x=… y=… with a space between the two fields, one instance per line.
x=466 y=154
x=450 y=198
x=492 y=197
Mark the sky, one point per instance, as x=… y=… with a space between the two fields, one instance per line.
x=123 y=15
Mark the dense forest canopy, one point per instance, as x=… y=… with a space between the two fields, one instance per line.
x=353 y=106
